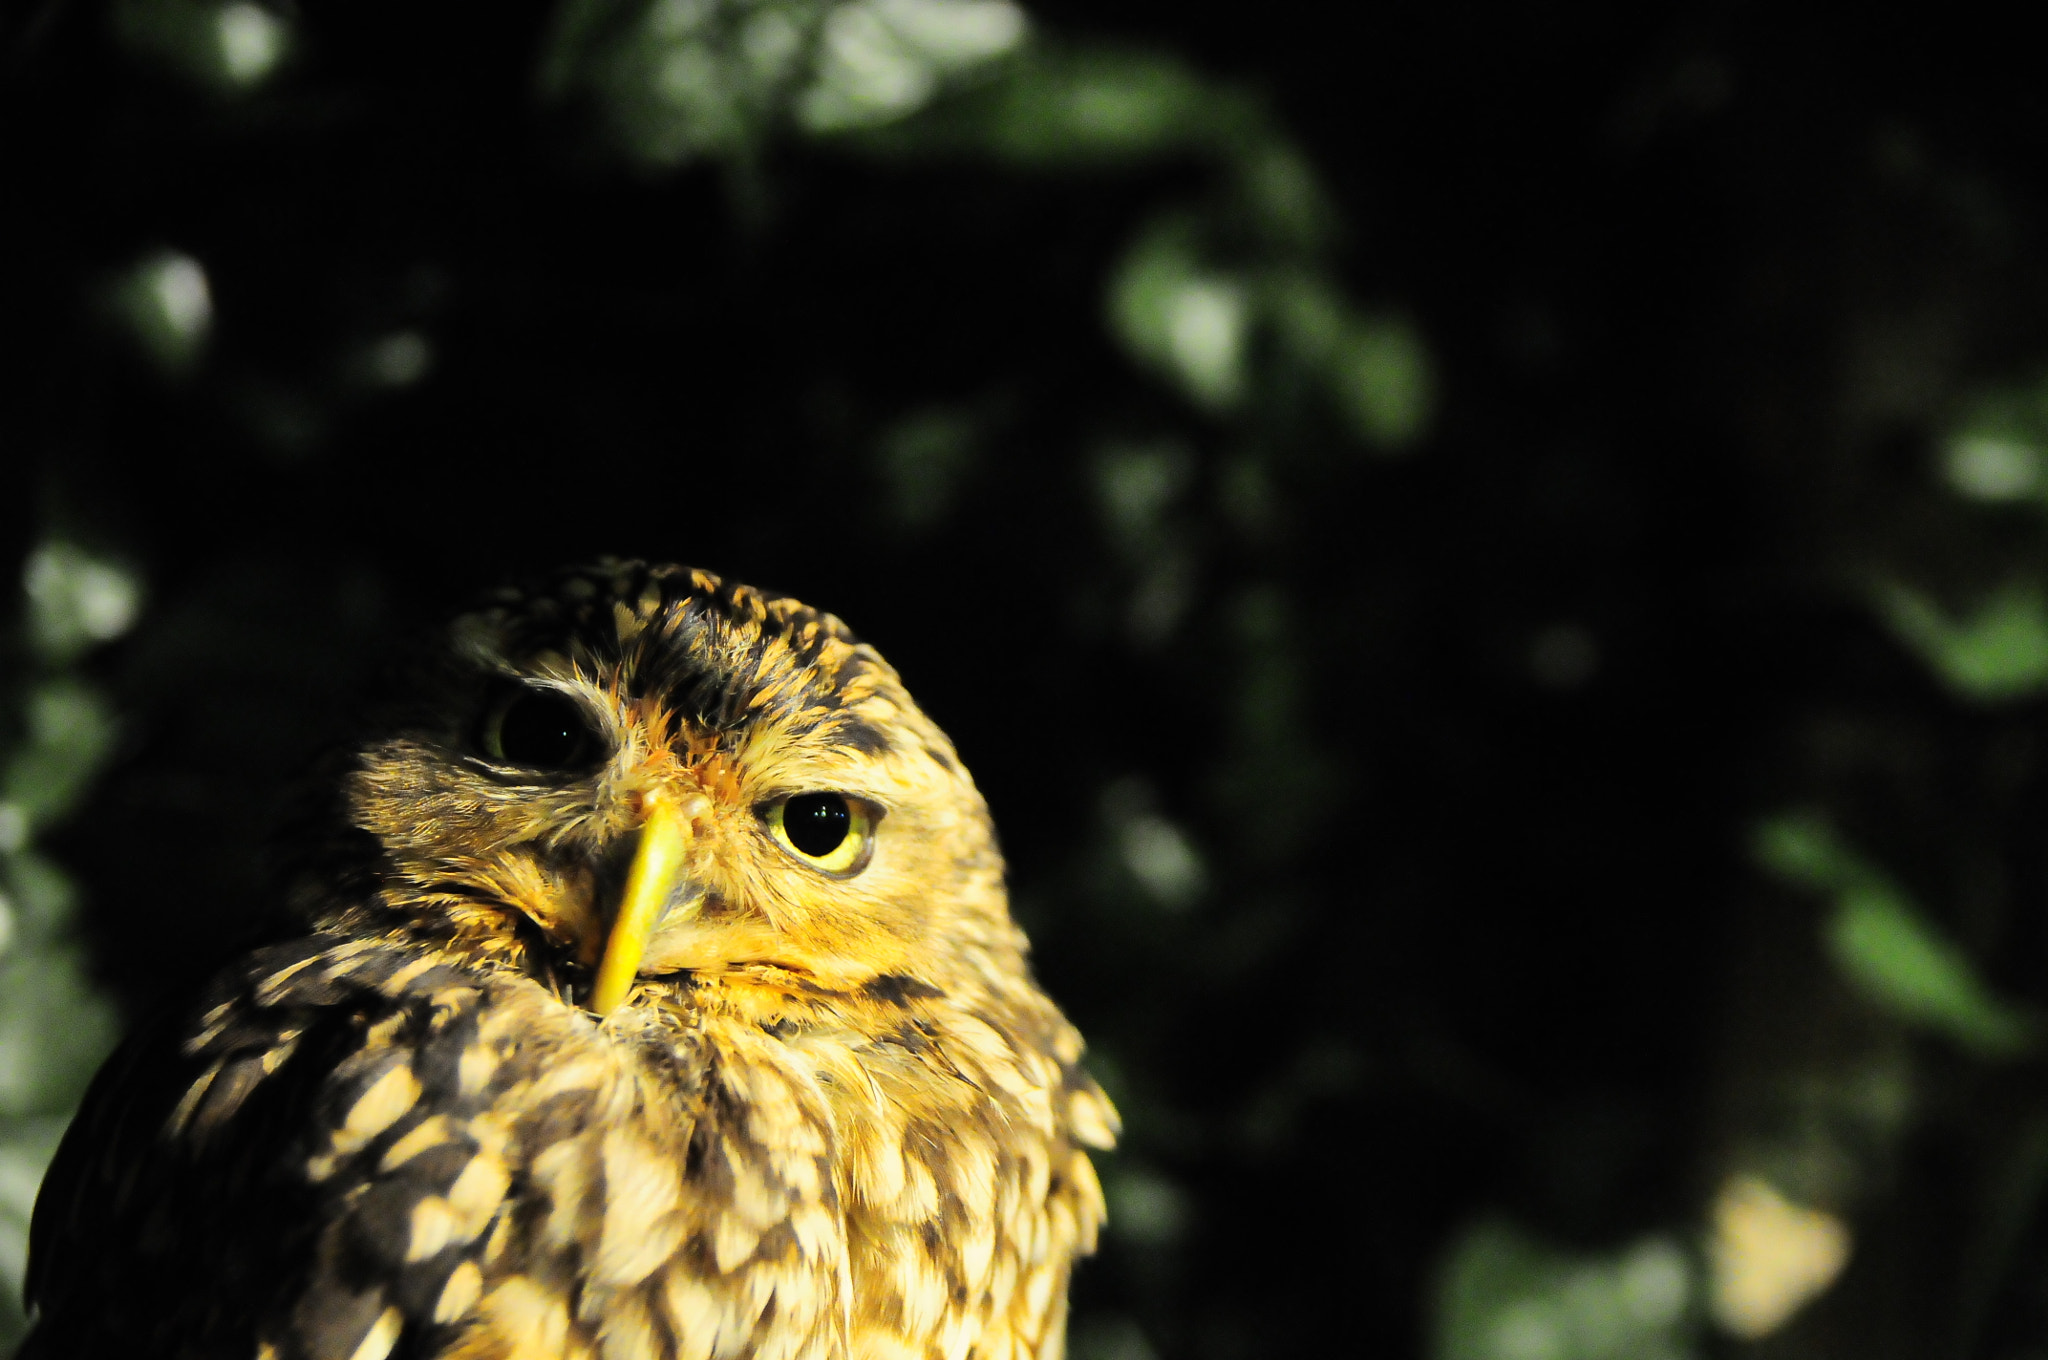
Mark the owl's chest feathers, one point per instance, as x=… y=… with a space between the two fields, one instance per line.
x=944 y=1147
x=731 y=1170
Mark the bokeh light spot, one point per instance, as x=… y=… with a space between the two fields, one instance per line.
x=169 y=307
x=252 y=42
x=76 y=599
x=400 y=359
x=1769 y=1257
x=1993 y=468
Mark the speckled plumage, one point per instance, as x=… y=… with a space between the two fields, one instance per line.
x=834 y=1117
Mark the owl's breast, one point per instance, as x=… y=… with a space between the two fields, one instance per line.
x=403 y=1156
x=965 y=1196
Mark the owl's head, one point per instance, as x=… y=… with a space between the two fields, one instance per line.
x=638 y=772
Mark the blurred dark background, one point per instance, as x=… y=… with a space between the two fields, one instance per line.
x=1492 y=562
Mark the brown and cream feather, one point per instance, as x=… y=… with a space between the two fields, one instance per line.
x=833 y=1117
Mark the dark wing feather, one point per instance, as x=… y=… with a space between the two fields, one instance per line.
x=178 y=1218
x=358 y=1151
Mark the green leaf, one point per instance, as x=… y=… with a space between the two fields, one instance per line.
x=679 y=80
x=1896 y=958
x=1051 y=107
x=1885 y=947
x=76 y=600
x=71 y=735
x=682 y=80
x=1504 y=1295
x=167 y=303
x=880 y=60
x=54 y=1030
x=1998 y=449
x=1184 y=319
x=230 y=48
x=1381 y=381
x=40 y=899
x=1374 y=369
x=26 y=1147
x=1997 y=651
x=1805 y=850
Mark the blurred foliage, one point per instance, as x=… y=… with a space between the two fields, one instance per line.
x=1392 y=505
x=229 y=47
x=1507 y=1297
x=54 y=1025
x=166 y=303
x=1999 y=651
x=680 y=79
x=1884 y=945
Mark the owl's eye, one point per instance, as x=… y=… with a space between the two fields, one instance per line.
x=542 y=729
x=827 y=831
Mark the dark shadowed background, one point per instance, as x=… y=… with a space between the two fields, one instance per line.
x=1492 y=562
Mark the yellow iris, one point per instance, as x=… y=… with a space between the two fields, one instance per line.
x=828 y=831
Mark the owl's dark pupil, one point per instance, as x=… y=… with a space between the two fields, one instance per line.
x=542 y=729
x=817 y=822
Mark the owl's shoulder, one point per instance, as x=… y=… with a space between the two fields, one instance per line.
x=356 y=1149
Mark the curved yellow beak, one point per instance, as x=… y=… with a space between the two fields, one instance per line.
x=652 y=886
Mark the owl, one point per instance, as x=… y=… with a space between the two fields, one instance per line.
x=651 y=994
